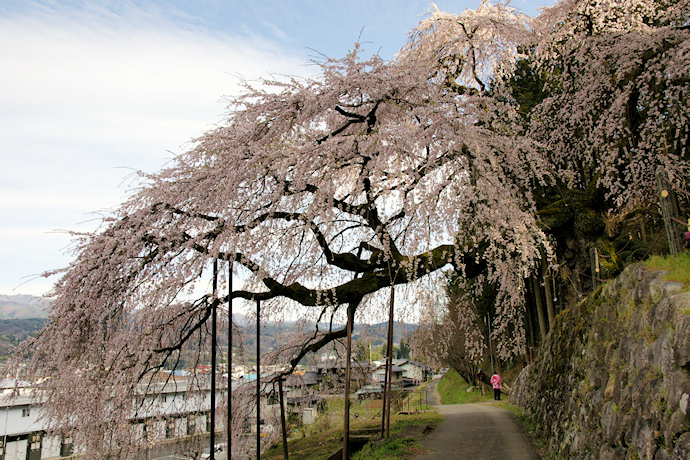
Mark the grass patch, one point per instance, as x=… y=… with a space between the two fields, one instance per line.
x=453 y=390
x=390 y=449
x=365 y=409
x=396 y=447
x=678 y=267
x=332 y=417
x=322 y=445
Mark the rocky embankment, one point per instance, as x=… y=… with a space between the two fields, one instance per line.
x=613 y=377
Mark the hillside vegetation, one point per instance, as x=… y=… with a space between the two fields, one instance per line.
x=20 y=317
x=13 y=331
x=454 y=390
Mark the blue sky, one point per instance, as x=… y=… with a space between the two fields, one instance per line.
x=92 y=91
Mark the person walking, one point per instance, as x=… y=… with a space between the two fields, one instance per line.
x=481 y=379
x=496 y=383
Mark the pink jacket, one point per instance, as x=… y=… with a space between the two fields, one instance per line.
x=496 y=381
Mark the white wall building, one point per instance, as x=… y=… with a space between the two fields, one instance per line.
x=174 y=413
x=416 y=372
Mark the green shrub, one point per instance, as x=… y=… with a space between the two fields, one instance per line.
x=453 y=390
x=678 y=267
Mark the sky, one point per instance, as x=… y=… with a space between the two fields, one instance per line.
x=92 y=91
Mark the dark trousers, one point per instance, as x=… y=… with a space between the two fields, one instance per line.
x=497 y=394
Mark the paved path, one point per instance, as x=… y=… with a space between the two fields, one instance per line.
x=476 y=432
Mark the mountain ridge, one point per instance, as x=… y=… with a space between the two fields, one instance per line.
x=23 y=306
x=23 y=315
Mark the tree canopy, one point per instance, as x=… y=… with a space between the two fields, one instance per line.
x=324 y=191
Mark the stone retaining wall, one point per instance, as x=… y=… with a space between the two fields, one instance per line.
x=612 y=380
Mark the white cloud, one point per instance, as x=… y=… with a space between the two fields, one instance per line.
x=85 y=95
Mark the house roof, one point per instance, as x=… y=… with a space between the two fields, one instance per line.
x=393 y=369
x=307 y=378
x=6 y=384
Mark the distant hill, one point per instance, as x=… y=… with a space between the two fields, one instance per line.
x=22 y=307
x=24 y=315
x=274 y=335
x=20 y=317
x=380 y=330
x=14 y=331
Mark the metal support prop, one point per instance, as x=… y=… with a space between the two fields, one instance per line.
x=213 y=357
x=348 y=355
x=389 y=364
x=228 y=424
x=282 y=418
x=258 y=379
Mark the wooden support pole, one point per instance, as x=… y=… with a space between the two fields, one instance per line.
x=282 y=418
x=548 y=294
x=669 y=211
x=594 y=259
x=491 y=350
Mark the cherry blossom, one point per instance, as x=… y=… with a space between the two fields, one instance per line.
x=322 y=192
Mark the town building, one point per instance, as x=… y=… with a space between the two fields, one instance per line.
x=167 y=412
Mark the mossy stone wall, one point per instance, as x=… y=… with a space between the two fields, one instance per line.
x=612 y=380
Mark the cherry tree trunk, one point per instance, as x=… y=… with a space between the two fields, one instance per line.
x=536 y=288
